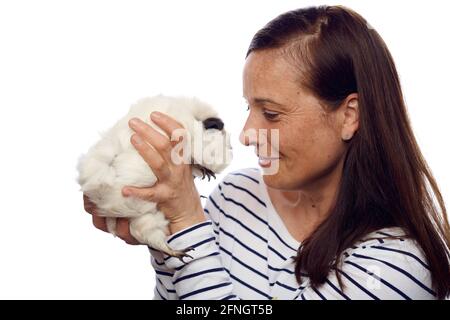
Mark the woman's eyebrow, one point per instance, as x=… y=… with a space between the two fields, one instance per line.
x=263 y=101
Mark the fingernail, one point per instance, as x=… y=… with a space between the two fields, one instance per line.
x=156 y=115
x=126 y=192
x=136 y=139
x=134 y=122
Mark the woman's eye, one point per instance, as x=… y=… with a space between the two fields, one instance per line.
x=270 y=115
x=248 y=108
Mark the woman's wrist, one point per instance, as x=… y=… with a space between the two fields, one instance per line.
x=188 y=221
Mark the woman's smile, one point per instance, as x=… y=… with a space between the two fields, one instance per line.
x=266 y=162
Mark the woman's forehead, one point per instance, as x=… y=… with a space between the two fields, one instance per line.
x=270 y=77
x=268 y=63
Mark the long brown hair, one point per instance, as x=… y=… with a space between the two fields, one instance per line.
x=386 y=181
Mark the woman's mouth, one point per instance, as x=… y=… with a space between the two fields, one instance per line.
x=266 y=161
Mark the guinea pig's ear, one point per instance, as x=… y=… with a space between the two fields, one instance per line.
x=213 y=123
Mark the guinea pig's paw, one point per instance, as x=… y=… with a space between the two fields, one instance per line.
x=180 y=254
x=205 y=172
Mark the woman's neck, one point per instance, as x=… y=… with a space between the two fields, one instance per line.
x=304 y=209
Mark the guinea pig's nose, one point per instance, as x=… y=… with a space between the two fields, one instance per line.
x=213 y=123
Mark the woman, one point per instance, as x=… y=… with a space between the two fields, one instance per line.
x=352 y=212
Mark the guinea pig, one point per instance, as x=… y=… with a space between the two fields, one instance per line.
x=113 y=162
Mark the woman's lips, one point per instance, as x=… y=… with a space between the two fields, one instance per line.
x=266 y=161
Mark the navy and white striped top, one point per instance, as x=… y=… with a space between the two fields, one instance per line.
x=244 y=251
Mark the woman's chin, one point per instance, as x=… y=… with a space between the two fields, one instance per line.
x=273 y=180
x=282 y=181
x=274 y=176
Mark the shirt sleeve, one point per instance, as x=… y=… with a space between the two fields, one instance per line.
x=162 y=275
x=203 y=276
x=379 y=270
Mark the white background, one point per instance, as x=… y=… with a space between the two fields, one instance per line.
x=69 y=69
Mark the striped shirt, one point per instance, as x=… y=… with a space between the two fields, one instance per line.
x=244 y=251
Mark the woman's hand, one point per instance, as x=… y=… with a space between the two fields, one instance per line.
x=175 y=190
x=122 y=224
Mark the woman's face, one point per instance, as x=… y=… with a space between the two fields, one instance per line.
x=310 y=147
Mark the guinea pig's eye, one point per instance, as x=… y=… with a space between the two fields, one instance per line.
x=213 y=123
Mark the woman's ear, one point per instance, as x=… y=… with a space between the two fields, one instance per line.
x=351 y=117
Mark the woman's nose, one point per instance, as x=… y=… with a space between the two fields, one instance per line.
x=248 y=136
x=243 y=138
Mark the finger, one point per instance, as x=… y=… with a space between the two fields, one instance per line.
x=151 y=156
x=159 y=141
x=86 y=202
x=132 y=241
x=99 y=222
x=155 y=138
x=154 y=194
x=123 y=231
x=174 y=130
x=89 y=206
x=165 y=122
